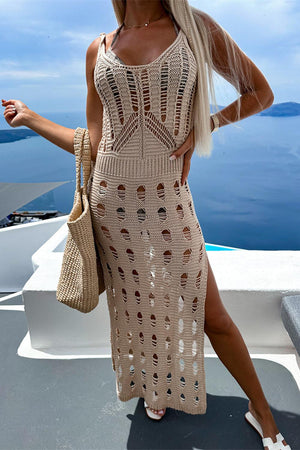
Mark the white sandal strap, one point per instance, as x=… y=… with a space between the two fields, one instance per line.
x=267 y=441
x=278 y=445
x=279 y=437
x=254 y=422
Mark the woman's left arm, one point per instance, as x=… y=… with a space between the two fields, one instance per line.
x=256 y=96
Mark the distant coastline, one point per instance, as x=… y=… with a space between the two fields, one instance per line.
x=9 y=135
x=286 y=109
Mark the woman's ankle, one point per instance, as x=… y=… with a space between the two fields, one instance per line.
x=261 y=410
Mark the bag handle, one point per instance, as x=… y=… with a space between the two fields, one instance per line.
x=82 y=150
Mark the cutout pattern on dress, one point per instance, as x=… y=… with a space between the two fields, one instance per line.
x=149 y=238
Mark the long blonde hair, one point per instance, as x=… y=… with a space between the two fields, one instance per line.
x=193 y=23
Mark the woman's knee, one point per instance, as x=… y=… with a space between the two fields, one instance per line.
x=217 y=319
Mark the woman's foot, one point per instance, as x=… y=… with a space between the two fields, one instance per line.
x=158 y=412
x=267 y=423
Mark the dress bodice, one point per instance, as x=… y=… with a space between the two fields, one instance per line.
x=147 y=109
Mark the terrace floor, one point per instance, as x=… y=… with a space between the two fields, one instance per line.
x=72 y=404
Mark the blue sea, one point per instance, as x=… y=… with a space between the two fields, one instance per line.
x=246 y=195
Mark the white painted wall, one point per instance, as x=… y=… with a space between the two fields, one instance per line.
x=251 y=284
x=17 y=244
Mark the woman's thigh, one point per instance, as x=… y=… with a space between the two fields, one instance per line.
x=217 y=319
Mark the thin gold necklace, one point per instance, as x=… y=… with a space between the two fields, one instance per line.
x=145 y=24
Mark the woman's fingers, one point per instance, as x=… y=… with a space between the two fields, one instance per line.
x=187 y=145
x=13 y=112
x=10 y=111
x=10 y=104
x=186 y=165
x=10 y=107
x=186 y=149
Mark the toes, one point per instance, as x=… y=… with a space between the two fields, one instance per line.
x=158 y=411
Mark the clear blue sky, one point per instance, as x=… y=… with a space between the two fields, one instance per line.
x=44 y=43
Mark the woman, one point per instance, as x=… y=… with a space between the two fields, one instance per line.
x=148 y=100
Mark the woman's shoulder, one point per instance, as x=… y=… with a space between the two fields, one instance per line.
x=205 y=19
x=94 y=45
x=92 y=51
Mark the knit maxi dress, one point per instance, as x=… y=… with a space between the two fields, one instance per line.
x=149 y=239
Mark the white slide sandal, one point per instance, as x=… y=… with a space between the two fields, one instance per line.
x=152 y=414
x=267 y=441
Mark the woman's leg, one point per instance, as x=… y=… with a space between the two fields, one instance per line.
x=230 y=347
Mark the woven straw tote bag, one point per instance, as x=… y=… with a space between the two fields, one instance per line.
x=81 y=278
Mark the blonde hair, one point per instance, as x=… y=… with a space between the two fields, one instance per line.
x=199 y=28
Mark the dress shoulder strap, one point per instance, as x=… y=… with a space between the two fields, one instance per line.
x=102 y=43
x=101 y=48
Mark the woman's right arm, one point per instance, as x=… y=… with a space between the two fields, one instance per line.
x=94 y=107
x=18 y=114
x=57 y=134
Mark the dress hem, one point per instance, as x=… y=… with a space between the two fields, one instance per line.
x=178 y=407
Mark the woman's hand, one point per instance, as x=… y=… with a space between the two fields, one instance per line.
x=186 y=149
x=14 y=112
x=17 y=114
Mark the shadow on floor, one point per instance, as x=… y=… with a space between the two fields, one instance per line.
x=72 y=404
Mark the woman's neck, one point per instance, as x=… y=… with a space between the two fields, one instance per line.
x=139 y=12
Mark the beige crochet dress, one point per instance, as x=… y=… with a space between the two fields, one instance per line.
x=150 y=242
